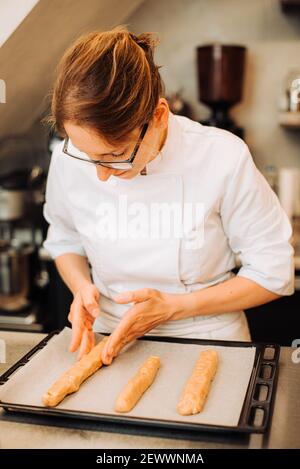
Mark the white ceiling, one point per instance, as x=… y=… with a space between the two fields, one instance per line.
x=12 y=13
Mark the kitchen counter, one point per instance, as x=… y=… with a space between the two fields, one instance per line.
x=25 y=431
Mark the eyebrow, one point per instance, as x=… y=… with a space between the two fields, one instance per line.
x=111 y=152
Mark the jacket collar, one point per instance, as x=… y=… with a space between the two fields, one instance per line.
x=167 y=159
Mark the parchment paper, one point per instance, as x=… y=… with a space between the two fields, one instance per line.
x=99 y=392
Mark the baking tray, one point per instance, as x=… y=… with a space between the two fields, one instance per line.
x=256 y=411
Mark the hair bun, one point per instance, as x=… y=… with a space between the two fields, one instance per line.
x=146 y=41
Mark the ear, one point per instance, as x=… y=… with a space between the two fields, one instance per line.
x=161 y=113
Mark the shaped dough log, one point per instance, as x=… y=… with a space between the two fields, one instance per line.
x=137 y=385
x=197 y=387
x=70 y=381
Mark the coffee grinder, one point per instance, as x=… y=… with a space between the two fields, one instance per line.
x=220 y=80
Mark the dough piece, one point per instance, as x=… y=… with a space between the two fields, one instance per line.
x=198 y=385
x=70 y=381
x=137 y=385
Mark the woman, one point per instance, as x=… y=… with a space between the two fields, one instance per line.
x=158 y=205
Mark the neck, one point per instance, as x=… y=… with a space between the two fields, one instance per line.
x=162 y=141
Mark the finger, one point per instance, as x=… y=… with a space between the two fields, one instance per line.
x=77 y=332
x=88 y=321
x=105 y=357
x=108 y=358
x=118 y=338
x=108 y=353
x=129 y=329
x=77 y=326
x=70 y=316
x=134 y=296
x=120 y=346
x=89 y=299
x=85 y=345
x=125 y=332
x=92 y=339
x=123 y=345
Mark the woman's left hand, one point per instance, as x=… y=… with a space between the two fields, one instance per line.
x=151 y=307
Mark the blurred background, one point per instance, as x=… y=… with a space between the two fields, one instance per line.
x=234 y=64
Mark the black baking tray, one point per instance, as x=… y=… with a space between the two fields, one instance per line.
x=257 y=408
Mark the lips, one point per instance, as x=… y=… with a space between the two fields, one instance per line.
x=119 y=174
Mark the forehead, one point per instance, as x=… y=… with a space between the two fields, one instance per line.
x=89 y=141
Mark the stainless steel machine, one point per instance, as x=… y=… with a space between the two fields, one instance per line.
x=21 y=234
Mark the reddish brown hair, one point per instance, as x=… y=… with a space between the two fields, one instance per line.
x=107 y=81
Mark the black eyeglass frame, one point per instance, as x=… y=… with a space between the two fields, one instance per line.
x=110 y=164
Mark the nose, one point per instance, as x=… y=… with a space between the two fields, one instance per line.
x=104 y=173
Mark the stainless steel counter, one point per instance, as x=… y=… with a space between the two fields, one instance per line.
x=24 y=431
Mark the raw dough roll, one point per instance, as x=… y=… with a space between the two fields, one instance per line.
x=70 y=381
x=198 y=385
x=137 y=385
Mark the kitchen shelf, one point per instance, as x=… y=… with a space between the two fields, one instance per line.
x=290 y=120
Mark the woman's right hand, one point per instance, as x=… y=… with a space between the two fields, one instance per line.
x=83 y=312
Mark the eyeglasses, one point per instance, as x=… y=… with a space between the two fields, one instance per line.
x=126 y=164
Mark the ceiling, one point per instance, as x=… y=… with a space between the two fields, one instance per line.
x=29 y=56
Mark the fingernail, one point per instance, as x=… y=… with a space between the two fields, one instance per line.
x=95 y=312
x=106 y=357
x=107 y=360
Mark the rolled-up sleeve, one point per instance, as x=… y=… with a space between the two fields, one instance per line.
x=62 y=237
x=257 y=228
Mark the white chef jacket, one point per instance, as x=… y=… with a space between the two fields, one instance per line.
x=238 y=215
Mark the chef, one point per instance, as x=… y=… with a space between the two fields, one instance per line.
x=149 y=211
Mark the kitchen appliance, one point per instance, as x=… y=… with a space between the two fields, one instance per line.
x=15 y=187
x=19 y=272
x=22 y=227
x=14 y=274
x=17 y=267
x=43 y=302
x=220 y=80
